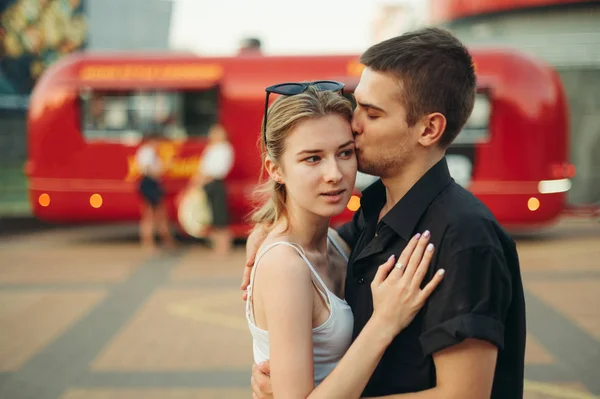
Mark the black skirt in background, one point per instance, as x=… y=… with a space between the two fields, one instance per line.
x=151 y=191
x=217 y=198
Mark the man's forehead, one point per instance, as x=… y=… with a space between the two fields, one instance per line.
x=376 y=86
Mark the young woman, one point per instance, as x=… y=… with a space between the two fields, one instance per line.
x=154 y=213
x=296 y=310
x=216 y=163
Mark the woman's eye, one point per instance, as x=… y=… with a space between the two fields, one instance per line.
x=312 y=159
x=347 y=153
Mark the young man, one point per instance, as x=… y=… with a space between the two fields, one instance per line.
x=414 y=97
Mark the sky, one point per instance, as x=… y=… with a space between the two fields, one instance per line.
x=285 y=27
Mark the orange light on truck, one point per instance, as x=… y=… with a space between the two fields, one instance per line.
x=44 y=200
x=96 y=201
x=533 y=204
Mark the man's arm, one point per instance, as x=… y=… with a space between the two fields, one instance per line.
x=465 y=370
x=464 y=318
x=253 y=243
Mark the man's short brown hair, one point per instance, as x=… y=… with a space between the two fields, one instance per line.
x=435 y=72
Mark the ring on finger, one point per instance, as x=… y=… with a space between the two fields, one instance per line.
x=399 y=265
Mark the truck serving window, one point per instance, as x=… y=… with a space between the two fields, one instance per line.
x=476 y=130
x=123 y=116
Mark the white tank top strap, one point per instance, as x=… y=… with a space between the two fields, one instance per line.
x=337 y=246
x=321 y=287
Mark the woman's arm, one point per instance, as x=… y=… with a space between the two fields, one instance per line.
x=283 y=299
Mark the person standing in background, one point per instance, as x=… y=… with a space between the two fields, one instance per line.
x=154 y=213
x=215 y=164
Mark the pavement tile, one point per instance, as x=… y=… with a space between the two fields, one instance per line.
x=577 y=300
x=32 y=319
x=199 y=264
x=535 y=353
x=78 y=264
x=182 y=329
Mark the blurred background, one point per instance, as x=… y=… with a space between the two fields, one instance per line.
x=36 y=33
x=85 y=313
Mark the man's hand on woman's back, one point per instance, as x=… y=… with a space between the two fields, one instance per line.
x=253 y=243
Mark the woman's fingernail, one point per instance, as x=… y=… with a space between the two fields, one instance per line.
x=441 y=272
x=418 y=236
x=426 y=234
x=429 y=247
x=390 y=258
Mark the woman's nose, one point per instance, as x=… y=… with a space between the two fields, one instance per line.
x=333 y=173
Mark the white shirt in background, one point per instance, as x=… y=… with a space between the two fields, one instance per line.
x=148 y=161
x=217 y=160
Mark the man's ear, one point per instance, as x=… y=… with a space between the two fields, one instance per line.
x=273 y=170
x=431 y=129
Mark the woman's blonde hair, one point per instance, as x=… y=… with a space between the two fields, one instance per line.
x=283 y=116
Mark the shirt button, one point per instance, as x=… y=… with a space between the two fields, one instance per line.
x=361 y=280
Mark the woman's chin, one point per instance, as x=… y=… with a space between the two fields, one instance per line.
x=332 y=210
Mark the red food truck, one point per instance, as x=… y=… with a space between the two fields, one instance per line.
x=84 y=130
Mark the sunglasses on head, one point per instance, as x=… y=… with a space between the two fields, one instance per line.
x=293 y=88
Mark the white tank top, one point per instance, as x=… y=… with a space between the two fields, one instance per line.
x=330 y=340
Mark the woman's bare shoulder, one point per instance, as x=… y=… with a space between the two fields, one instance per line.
x=280 y=257
x=281 y=271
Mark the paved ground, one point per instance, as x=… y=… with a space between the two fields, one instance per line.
x=85 y=314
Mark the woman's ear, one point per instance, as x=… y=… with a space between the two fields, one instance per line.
x=273 y=170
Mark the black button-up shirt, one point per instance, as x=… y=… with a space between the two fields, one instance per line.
x=481 y=295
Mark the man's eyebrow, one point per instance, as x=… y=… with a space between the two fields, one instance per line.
x=368 y=105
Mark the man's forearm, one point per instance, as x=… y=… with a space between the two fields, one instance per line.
x=465 y=370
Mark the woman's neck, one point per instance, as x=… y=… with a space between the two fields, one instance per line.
x=305 y=229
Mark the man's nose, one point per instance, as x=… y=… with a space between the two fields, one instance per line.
x=356 y=126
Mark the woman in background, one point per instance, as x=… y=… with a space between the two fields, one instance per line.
x=154 y=213
x=215 y=164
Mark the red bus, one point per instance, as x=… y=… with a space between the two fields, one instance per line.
x=85 y=112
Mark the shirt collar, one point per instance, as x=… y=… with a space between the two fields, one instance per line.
x=405 y=215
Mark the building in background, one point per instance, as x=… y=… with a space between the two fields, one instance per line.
x=565 y=34
x=129 y=25
x=36 y=33
x=33 y=35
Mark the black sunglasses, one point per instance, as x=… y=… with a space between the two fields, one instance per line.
x=292 y=88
